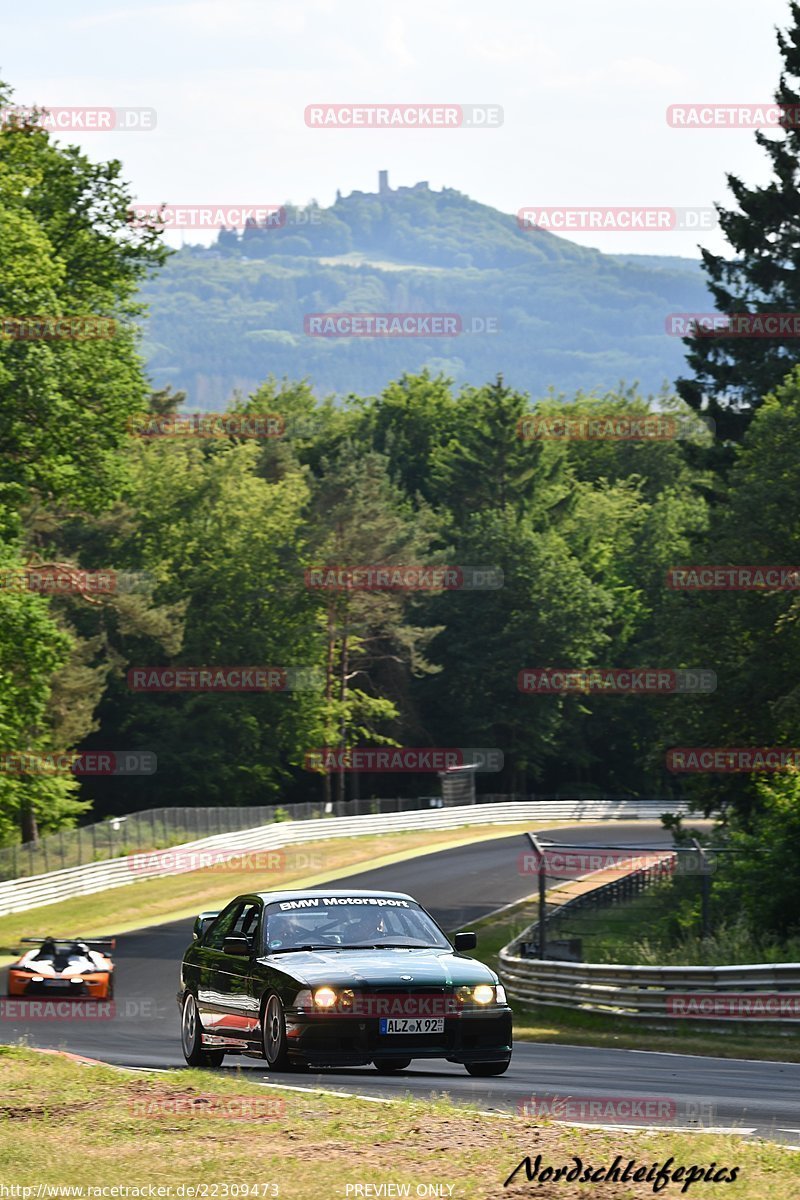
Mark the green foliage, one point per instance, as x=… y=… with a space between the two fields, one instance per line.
x=32 y=650
x=760 y=879
x=421 y=463
x=66 y=250
x=750 y=638
x=733 y=374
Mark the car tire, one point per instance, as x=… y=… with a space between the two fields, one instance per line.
x=110 y=988
x=191 y=1037
x=388 y=1066
x=273 y=1034
x=488 y=1068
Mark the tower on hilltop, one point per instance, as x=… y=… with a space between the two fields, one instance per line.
x=383 y=183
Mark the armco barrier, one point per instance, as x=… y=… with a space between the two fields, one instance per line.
x=18 y=895
x=656 y=994
x=653 y=994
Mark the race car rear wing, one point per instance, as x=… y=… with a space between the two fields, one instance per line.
x=39 y=941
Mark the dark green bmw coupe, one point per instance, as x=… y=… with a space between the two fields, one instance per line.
x=338 y=978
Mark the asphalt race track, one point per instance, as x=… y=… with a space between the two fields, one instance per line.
x=457 y=886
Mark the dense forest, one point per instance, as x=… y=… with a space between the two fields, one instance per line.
x=223 y=537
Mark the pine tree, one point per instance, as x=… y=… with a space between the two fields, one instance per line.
x=733 y=374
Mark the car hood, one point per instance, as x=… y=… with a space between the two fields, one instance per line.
x=384 y=968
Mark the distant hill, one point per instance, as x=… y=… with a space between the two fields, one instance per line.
x=566 y=316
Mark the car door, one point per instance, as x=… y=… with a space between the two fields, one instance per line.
x=214 y=980
x=240 y=1018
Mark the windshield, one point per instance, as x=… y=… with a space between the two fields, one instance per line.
x=352 y=922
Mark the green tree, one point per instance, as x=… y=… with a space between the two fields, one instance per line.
x=732 y=374
x=224 y=548
x=373 y=645
x=66 y=249
x=750 y=638
x=32 y=650
x=760 y=879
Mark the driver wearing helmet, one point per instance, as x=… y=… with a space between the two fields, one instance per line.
x=368 y=925
x=286 y=929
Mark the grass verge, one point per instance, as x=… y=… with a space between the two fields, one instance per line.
x=106 y=1128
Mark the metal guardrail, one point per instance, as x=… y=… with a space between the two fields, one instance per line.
x=163 y=827
x=766 y=991
x=18 y=895
x=620 y=887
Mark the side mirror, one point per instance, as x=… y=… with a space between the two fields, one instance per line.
x=236 y=945
x=202 y=922
x=465 y=941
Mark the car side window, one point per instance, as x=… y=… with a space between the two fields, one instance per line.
x=223 y=926
x=246 y=924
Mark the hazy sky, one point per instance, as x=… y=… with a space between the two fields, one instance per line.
x=584 y=87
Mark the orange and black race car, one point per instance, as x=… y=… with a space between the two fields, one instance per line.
x=74 y=967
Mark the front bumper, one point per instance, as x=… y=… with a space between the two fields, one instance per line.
x=322 y=1039
x=20 y=984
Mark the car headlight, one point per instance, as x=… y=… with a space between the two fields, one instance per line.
x=482 y=993
x=325 y=997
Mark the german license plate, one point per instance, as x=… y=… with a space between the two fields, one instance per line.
x=415 y=1025
x=57 y=983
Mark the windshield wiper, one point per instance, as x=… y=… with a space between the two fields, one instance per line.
x=289 y=949
x=404 y=946
x=354 y=946
x=386 y=946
